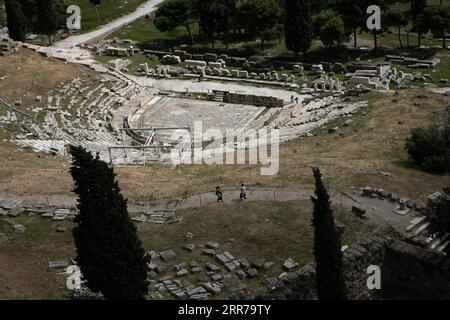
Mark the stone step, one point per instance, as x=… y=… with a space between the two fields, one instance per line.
x=415 y=223
x=442 y=247
x=436 y=242
x=421 y=228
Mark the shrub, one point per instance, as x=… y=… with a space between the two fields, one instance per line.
x=429 y=147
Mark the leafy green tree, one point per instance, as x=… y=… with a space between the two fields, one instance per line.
x=51 y=17
x=109 y=253
x=397 y=20
x=16 y=21
x=429 y=147
x=438 y=20
x=172 y=14
x=327 y=246
x=298 y=25
x=227 y=18
x=329 y=28
x=352 y=12
x=261 y=17
x=319 y=5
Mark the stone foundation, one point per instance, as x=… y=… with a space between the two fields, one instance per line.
x=407 y=272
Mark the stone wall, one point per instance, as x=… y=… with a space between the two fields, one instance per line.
x=300 y=285
x=407 y=272
x=357 y=259
x=270 y=102
x=411 y=272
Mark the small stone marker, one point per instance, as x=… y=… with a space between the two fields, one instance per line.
x=359 y=209
x=290 y=264
x=209 y=252
x=182 y=273
x=252 y=272
x=212 y=245
x=168 y=256
x=189 y=247
x=212 y=267
x=58 y=264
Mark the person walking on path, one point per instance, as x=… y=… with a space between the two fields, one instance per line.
x=219 y=194
x=243 y=192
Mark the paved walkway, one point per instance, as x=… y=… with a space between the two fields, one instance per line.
x=378 y=211
x=109 y=28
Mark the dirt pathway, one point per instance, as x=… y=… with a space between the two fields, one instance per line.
x=379 y=211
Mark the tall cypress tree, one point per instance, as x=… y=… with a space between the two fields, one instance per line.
x=50 y=15
x=30 y=12
x=16 y=21
x=298 y=25
x=327 y=246
x=109 y=253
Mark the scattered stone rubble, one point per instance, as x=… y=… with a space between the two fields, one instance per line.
x=404 y=204
x=119 y=64
x=223 y=272
x=413 y=62
x=159 y=217
x=114 y=47
x=7 y=46
x=15 y=225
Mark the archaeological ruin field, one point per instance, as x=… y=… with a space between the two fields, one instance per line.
x=147 y=102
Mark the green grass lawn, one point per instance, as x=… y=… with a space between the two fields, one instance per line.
x=108 y=10
x=442 y=71
x=145 y=32
x=390 y=39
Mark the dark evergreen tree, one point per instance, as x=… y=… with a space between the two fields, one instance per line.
x=50 y=14
x=109 y=253
x=30 y=12
x=298 y=25
x=16 y=21
x=227 y=18
x=417 y=8
x=327 y=246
